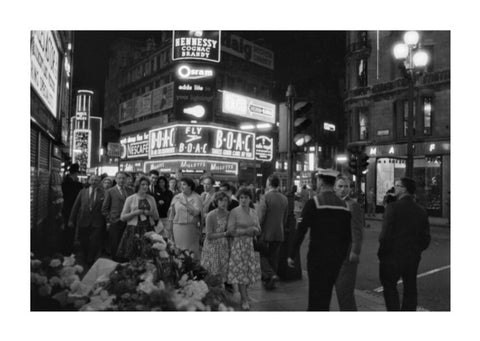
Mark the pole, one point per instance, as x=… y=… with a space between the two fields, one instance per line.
x=290 y=155
x=409 y=166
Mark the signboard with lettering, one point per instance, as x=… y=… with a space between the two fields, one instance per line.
x=194 y=92
x=162 y=98
x=81 y=148
x=44 y=66
x=114 y=149
x=328 y=126
x=132 y=166
x=239 y=47
x=247 y=107
x=192 y=139
x=193 y=166
x=135 y=146
x=126 y=110
x=264 y=148
x=200 y=45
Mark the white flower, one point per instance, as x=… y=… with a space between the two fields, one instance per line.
x=196 y=290
x=147 y=287
x=163 y=254
x=55 y=281
x=183 y=280
x=69 y=261
x=78 y=268
x=67 y=281
x=157 y=238
x=67 y=271
x=34 y=263
x=79 y=289
x=159 y=246
x=38 y=279
x=55 y=262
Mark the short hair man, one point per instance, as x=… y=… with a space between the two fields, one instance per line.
x=328 y=218
x=345 y=284
x=272 y=215
x=405 y=235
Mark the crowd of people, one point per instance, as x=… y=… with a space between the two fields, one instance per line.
x=238 y=235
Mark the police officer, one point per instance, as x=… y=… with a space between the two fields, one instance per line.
x=328 y=218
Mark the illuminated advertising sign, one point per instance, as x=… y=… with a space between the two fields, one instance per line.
x=328 y=126
x=81 y=148
x=193 y=166
x=189 y=72
x=114 y=149
x=135 y=146
x=127 y=110
x=185 y=139
x=194 y=93
x=247 y=107
x=247 y=50
x=136 y=166
x=200 y=45
x=44 y=59
x=264 y=148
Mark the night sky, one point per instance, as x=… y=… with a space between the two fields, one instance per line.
x=299 y=55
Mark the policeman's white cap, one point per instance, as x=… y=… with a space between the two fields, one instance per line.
x=327 y=172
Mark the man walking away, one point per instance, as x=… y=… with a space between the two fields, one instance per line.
x=405 y=234
x=272 y=214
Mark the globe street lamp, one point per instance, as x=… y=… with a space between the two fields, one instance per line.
x=414 y=62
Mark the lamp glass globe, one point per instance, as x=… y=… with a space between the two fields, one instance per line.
x=400 y=51
x=420 y=59
x=411 y=37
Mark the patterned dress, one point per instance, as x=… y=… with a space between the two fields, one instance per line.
x=215 y=252
x=131 y=244
x=244 y=262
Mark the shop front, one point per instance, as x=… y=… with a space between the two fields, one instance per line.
x=431 y=171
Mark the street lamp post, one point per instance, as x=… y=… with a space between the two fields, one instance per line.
x=414 y=61
x=290 y=162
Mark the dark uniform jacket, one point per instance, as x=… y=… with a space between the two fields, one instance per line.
x=328 y=218
x=158 y=195
x=405 y=230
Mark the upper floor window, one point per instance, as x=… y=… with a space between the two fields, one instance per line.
x=405 y=118
x=362 y=72
x=427 y=115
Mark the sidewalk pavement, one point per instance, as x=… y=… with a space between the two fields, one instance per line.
x=293 y=296
x=434 y=221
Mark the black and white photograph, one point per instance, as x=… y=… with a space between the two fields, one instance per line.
x=278 y=173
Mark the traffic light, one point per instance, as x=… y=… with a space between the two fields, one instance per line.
x=301 y=123
x=352 y=164
x=363 y=161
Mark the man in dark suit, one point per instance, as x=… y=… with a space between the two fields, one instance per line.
x=272 y=215
x=87 y=220
x=153 y=189
x=328 y=218
x=112 y=209
x=405 y=234
x=70 y=189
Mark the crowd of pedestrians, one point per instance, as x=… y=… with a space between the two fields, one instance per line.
x=238 y=234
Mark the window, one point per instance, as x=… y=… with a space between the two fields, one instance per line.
x=363 y=124
x=362 y=72
x=405 y=118
x=427 y=115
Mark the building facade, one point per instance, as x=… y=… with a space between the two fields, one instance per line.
x=197 y=102
x=376 y=109
x=51 y=54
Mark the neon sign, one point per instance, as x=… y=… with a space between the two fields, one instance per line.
x=186 y=139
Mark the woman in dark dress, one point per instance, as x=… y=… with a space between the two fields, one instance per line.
x=140 y=213
x=165 y=199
